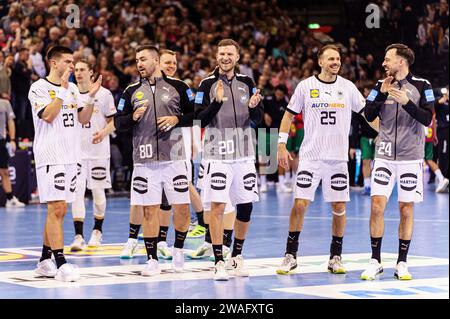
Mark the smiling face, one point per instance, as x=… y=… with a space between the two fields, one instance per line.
x=168 y=64
x=392 y=62
x=330 y=61
x=227 y=57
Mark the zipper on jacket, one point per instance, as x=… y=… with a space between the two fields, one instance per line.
x=395 y=138
x=156 y=121
x=235 y=115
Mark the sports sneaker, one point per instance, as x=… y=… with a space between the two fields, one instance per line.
x=203 y=251
x=366 y=191
x=226 y=252
x=68 y=272
x=164 y=251
x=151 y=268
x=14 y=202
x=401 y=271
x=46 y=268
x=442 y=186
x=178 y=259
x=235 y=265
x=78 y=243
x=141 y=236
x=96 y=239
x=289 y=263
x=220 y=272
x=335 y=265
x=263 y=188
x=373 y=271
x=197 y=232
x=283 y=188
x=130 y=248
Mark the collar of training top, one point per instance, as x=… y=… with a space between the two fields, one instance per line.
x=223 y=77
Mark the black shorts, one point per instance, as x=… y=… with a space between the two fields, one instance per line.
x=4 y=156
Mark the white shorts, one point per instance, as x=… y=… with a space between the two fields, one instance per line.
x=234 y=182
x=189 y=168
x=95 y=172
x=334 y=176
x=408 y=176
x=201 y=172
x=57 y=182
x=148 y=182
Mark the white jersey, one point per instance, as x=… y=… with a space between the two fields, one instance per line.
x=327 y=113
x=103 y=108
x=57 y=142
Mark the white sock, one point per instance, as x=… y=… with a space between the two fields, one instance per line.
x=367 y=182
x=287 y=176
x=439 y=175
x=263 y=179
x=281 y=179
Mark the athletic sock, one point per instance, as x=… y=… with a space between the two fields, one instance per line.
x=403 y=247
x=336 y=246
x=78 y=228
x=163 y=233
x=151 y=247
x=134 y=231
x=59 y=257
x=376 y=248
x=237 y=247
x=98 y=224
x=200 y=220
x=227 y=237
x=46 y=253
x=292 y=243
x=179 y=239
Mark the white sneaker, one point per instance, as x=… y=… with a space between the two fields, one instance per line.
x=220 y=272
x=96 y=239
x=226 y=252
x=263 y=188
x=78 y=243
x=68 y=272
x=178 y=259
x=46 y=268
x=203 y=251
x=235 y=265
x=282 y=188
x=14 y=202
x=130 y=249
x=442 y=186
x=289 y=263
x=374 y=270
x=151 y=268
x=401 y=271
x=335 y=265
x=164 y=251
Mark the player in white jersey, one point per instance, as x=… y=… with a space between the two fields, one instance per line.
x=57 y=114
x=94 y=171
x=327 y=102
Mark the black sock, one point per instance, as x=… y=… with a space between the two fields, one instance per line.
x=98 y=224
x=150 y=247
x=336 y=246
x=46 y=253
x=403 y=247
x=218 y=254
x=208 y=234
x=376 y=248
x=200 y=220
x=163 y=233
x=227 y=237
x=78 y=228
x=59 y=257
x=237 y=247
x=179 y=239
x=9 y=196
x=134 y=231
x=292 y=243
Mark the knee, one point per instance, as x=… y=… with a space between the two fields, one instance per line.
x=300 y=206
x=377 y=208
x=406 y=210
x=58 y=209
x=217 y=209
x=338 y=209
x=243 y=212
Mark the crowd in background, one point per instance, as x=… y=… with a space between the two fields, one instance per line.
x=277 y=47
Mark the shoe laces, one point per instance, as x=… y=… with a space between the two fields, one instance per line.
x=287 y=259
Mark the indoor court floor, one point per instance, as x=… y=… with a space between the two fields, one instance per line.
x=105 y=275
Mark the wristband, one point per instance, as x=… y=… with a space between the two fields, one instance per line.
x=62 y=93
x=282 y=137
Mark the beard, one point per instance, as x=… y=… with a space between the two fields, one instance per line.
x=226 y=68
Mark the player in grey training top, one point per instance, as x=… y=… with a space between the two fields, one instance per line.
x=404 y=104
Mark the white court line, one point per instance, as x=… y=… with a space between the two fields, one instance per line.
x=349 y=218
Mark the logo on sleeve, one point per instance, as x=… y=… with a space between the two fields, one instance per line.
x=190 y=94
x=314 y=93
x=121 y=105
x=373 y=94
x=199 y=97
x=429 y=95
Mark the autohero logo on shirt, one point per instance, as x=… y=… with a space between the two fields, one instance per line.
x=249 y=181
x=408 y=182
x=314 y=93
x=328 y=105
x=218 y=181
x=304 y=179
x=98 y=173
x=382 y=176
x=140 y=185
x=180 y=183
x=59 y=181
x=339 y=182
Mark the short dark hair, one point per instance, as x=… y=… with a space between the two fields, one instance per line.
x=282 y=88
x=56 y=51
x=23 y=49
x=403 y=51
x=150 y=47
x=226 y=42
x=328 y=47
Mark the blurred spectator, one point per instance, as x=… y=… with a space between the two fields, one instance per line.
x=21 y=78
x=5 y=76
